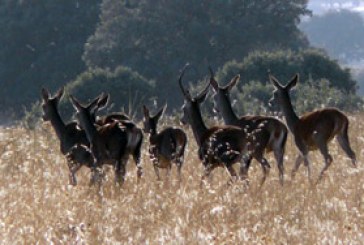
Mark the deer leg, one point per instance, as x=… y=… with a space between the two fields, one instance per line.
x=308 y=165
x=137 y=156
x=96 y=174
x=297 y=165
x=279 y=154
x=207 y=171
x=244 y=167
x=328 y=159
x=179 y=162
x=232 y=173
x=343 y=140
x=120 y=171
x=265 y=167
x=73 y=167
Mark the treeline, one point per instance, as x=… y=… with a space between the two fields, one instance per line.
x=134 y=49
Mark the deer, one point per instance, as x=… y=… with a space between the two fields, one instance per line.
x=73 y=141
x=165 y=147
x=314 y=130
x=109 y=143
x=219 y=146
x=274 y=132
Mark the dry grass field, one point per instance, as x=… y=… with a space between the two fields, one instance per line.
x=39 y=207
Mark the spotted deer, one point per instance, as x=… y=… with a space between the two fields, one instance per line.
x=219 y=146
x=313 y=130
x=73 y=141
x=108 y=143
x=166 y=146
x=273 y=134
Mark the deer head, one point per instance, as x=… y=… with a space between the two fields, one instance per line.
x=49 y=103
x=221 y=93
x=281 y=93
x=151 y=122
x=191 y=104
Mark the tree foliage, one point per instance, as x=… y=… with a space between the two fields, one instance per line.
x=310 y=64
x=42 y=44
x=157 y=38
x=253 y=98
x=127 y=89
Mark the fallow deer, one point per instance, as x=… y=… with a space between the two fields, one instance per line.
x=274 y=133
x=108 y=143
x=219 y=146
x=314 y=130
x=166 y=146
x=73 y=141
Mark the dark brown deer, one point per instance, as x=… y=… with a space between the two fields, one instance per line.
x=165 y=147
x=273 y=134
x=73 y=141
x=135 y=134
x=313 y=130
x=219 y=146
x=108 y=143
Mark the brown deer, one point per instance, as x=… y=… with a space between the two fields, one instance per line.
x=166 y=146
x=219 y=146
x=108 y=143
x=135 y=134
x=73 y=141
x=274 y=132
x=314 y=130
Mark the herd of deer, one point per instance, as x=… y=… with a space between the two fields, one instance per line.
x=94 y=141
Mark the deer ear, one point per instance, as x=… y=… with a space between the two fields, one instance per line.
x=145 y=111
x=275 y=81
x=293 y=82
x=59 y=93
x=45 y=94
x=161 y=112
x=75 y=103
x=233 y=82
x=213 y=82
x=202 y=96
x=103 y=101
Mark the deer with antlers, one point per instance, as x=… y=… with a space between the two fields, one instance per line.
x=314 y=130
x=109 y=143
x=273 y=134
x=73 y=141
x=166 y=146
x=219 y=146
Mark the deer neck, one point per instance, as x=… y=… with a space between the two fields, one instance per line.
x=58 y=125
x=227 y=112
x=289 y=113
x=90 y=129
x=198 y=126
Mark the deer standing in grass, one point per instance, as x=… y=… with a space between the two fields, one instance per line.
x=219 y=146
x=273 y=134
x=108 y=143
x=314 y=130
x=73 y=141
x=166 y=146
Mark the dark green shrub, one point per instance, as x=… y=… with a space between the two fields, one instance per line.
x=127 y=89
x=310 y=64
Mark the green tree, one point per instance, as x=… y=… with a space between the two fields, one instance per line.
x=156 y=38
x=127 y=89
x=42 y=44
x=310 y=64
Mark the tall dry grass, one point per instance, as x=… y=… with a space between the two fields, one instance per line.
x=39 y=207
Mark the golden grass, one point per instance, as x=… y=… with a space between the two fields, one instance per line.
x=38 y=206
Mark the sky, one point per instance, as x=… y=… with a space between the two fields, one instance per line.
x=322 y=6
